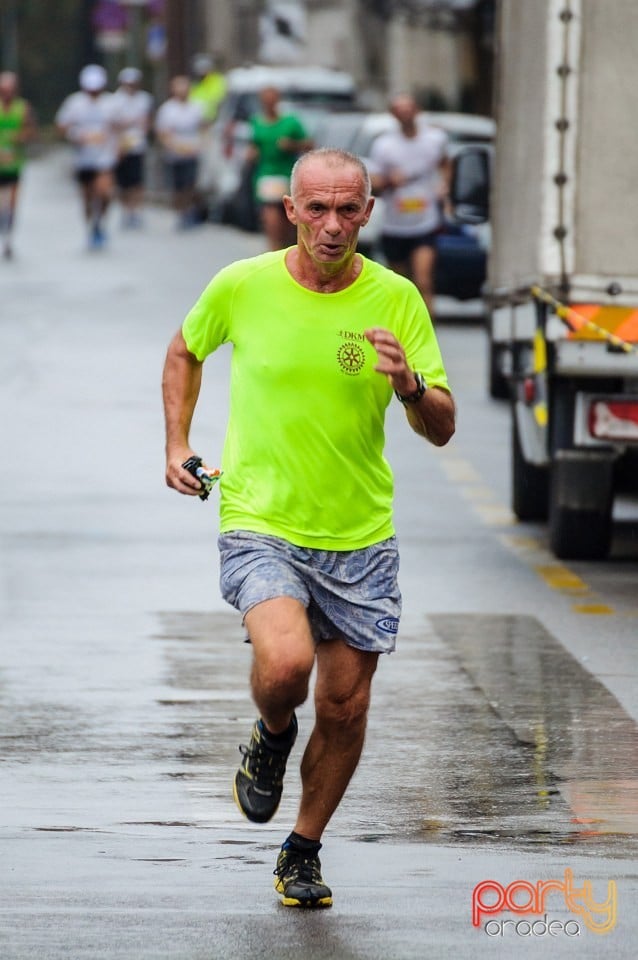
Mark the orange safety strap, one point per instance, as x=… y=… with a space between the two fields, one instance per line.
x=582 y=324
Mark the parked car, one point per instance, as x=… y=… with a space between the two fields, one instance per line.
x=339 y=129
x=309 y=92
x=462 y=249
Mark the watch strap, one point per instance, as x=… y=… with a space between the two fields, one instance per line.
x=415 y=396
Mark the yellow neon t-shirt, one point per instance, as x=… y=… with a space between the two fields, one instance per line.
x=303 y=456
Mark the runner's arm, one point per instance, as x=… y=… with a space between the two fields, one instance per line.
x=388 y=181
x=433 y=415
x=181 y=382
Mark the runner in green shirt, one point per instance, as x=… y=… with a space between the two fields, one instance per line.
x=277 y=141
x=322 y=341
x=16 y=129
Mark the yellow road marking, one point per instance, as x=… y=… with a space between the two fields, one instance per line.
x=477 y=493
x=561 y=578
x=494 y=514
x=521 y=541
x=490 y=512
x=595 y=609
x=460 y=471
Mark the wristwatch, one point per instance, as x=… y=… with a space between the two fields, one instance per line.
x=421 y=387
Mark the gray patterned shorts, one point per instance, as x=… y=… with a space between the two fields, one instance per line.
x=352 y=594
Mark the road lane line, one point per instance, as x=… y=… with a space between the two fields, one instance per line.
x=485 y=504
x=561 y=578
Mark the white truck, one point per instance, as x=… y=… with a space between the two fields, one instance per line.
x=562 y=289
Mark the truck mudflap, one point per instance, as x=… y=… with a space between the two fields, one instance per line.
x=580 y=504
x=530 y=479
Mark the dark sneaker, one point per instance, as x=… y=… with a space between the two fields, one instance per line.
x=298 y=878
x=260 y=779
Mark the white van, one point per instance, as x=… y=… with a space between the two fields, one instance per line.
x=309 y=92
x=302 y=87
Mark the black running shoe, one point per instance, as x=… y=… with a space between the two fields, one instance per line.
x=298 y=878
x=260 y=779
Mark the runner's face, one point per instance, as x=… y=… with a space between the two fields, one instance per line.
x=329 y=209
x=269 y=98
x=180 y=87
x=8 y=86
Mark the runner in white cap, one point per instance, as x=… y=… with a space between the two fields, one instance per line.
x=132 y=109
x=86 y=120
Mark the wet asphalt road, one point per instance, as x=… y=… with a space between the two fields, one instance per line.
x=502 y=741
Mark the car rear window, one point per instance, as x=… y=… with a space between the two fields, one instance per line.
x=242 y=106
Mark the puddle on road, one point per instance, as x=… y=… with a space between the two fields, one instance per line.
x=482 y=729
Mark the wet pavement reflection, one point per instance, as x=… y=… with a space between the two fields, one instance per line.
x=483 y=729
x=572 y=757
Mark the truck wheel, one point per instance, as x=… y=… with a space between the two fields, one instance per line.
x=530 y=483
x=581 y=501
x=498 y=383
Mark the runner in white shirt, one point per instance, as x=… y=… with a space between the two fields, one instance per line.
x=132 y=108
x=409 y=168
x=179 y=125
x=86 y=120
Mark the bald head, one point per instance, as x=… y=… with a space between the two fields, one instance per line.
x=333 y=159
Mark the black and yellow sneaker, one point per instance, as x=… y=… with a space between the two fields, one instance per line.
x=298 y=878
x=260 y=779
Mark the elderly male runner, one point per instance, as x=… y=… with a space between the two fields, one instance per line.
x=323 y=339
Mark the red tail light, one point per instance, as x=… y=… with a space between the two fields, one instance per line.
x=614 y=420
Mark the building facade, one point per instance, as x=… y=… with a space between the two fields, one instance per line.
x=440 y=50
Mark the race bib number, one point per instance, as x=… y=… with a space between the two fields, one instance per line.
x=131 y=140
x=185 y=145
x=408 y=205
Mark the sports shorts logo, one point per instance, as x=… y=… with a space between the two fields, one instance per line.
x=351 y=357
x=388 y=624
